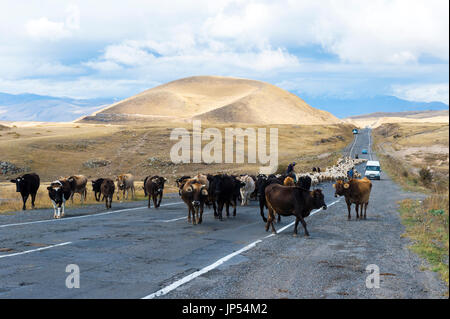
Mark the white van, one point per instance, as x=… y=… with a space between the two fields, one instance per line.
x=373 y=170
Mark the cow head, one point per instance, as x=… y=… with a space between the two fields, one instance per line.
x=56 y=192
x=340 y=188
x=120 y=182
x=196 y=193
x=159 y=182
x=318 y=199
x=20 y=183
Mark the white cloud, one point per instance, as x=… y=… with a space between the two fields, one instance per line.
x=140 y=43
x=43 y=28
x=423 y=92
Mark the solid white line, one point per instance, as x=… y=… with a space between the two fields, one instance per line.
x=188 y=278
x=84 y=216
x=202 y=271
x=33 y=250
x=354 y=143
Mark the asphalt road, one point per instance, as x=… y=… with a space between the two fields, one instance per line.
x=135 y=252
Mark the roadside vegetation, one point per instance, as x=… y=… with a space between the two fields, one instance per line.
x=416 y=157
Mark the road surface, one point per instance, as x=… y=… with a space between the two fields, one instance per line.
x=136 y=252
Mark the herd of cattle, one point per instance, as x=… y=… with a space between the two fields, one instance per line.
x=281 y=195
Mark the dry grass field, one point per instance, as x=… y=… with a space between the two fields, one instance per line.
x=412 y=147
x=61 y=149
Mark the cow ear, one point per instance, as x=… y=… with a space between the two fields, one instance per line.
x=204 y=192
x=334 y=185
x=13 y=181
x=49 y=187
x=189 y=189
x=346 y=185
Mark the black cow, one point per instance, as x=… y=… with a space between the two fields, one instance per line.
x=304 y=182
x=154 y=188
x=223 y=190
x=96 y=184
x=261 y=183
x=59 y=191
x=27 y=185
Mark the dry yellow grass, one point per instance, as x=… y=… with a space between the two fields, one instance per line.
x=416 y=146
x=12 y=201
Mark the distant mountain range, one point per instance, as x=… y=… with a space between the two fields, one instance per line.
x=354 y=107
x=33 y=107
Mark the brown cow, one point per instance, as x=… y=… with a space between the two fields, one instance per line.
x=77 y=186
x=194 y=194
x=154 y=188
x=107 y=190
x=125 y=183
x=356 y=191
x=288 y=200
x=289 y=181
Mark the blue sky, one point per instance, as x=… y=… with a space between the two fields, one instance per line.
x=346 y=49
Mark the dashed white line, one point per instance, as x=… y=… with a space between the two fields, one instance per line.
x=84 y=216
x=219 y=262
x=34 y=250
x=354 y=143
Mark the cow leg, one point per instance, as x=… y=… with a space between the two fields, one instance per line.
x=24 y=199
x=201 y=214
x=349 y=208
x=234 y=204
x=304 y=226
x=155 y=201
x=261 y=209
x=159 y=199
x=365 y=210
x=189 y=214
x=356 y=209
x=279 y=218
x=63 y=207
x=54 y=209
x=149 y=200
x=297 y=220
x=219 y=209
x=216 y=215
x=33 y=198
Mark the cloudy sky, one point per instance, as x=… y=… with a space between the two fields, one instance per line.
x=337 y=49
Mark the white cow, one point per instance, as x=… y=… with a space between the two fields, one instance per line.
x=247 y=189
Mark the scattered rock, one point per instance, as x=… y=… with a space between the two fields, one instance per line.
x=153 y=161
x=94 y=163
x=8 y=168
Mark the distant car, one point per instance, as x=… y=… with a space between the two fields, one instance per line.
x=355 y=131
x=364 y=151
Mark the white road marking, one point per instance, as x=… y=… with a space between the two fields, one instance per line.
x=84 y=216
x=219 y=262
x=354 y=143
x=370 y=144
x=34 y=250
x=188 y=278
